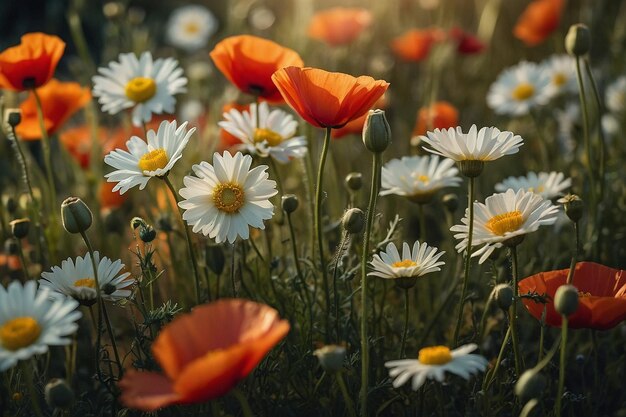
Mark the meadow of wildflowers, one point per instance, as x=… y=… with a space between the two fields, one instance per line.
x=313 y=208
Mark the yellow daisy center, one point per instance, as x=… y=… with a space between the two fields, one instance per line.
x=85 y=282
x=406 y=263
x=272 y=138
x=421 y=178
x=435 y=355
x=539 y=189
x=559 y=79
x=191 y=28
x=153 y=160
x=228 y=197
x=505 y=223
x=140 y=89
x=523 y=91
x=19 y=332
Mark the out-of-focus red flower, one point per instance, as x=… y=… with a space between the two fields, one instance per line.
x=355 y=127
x=602 y=290
x=414 y=45
x=78 y=143
x=204 y=354
x=466 y=43
x=339 y=25
x=108 y=198
x=441 y=115
x=228 y=140
x=538 y=21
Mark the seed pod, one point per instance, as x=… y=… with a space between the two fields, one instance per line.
x=353 y=220
x=75 y=215
x=566 y=299
x=354 y=181
x=19 y=228
x=503 y=295
x=289 y=203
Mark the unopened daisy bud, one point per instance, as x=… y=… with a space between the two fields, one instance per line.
x=19 y=228
x=75 y=215
x=450 y=202
x=331 y=357
x=574 y=206
x=58 y=393
x=13 y=117
x=354 y=181
x=164 y=223
x=471 y=168
x=10 y=246
x=530 y=385
x=136 y=222
x=578 y=40
x=376 y=132
x=147 y=233
x=353 y=221
x=503 y=295
x=566 y=300
x=289 y=203
x=215 y=259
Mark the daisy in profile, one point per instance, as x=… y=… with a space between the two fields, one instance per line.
x=419 y=261
x=616 y=95
x=224 y=199
x=146 y=85
x=418 y=178
x=562 y=72
x=145 y=160
x=504 y=219
x=274 y=135
x=76 y=279
x=190 y=27
x=30 y=321
x=519 y=89
x=547 y=184
x=433 y=362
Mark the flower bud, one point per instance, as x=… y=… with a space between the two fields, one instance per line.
x=503 y=296
x=10 y=246
x=75 y=215
x=164 y=223
x=13 y=117
x=19 y=228
x=566 y=299
x=450 y=202
x=289 y=203
x=135 y=222
x=530 y=385
x=578 y=40
x=58 y=393
x=574 y=206
x=376 y=132
x=147 y=233
x=331 y=357
x=353 y=220
x=10 y=203
x=354 y=181
x=471 y=168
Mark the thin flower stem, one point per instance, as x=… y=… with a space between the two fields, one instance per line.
x=296 y=260
x=232 y=270
x=490 y=376
x=468 y=258
x=344 y=239
x=371 y=213
x=559 y=393
x=346 y=395
x=406 y=322
x=243 y=402
x=513 y=311
x=30 y=384
x=602 y=156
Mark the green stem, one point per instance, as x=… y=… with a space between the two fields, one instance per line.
x=513 y=312
x=490 y=376
x=243 y=402
x=296 y=260
x=406 y=323
x=559 y=393
x=346 y=395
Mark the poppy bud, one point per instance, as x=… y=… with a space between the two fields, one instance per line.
x=58 y=393
x=331 y=357
x=19 y=228
x=578 y=40
x=135 y=222
x=354 y=181
x=147 y=233
x=290 y=203
x=503 y=295
x=450 y=202
x=215 y=259
x=471 y=168
x=530 y=385
x=13 y=117
x=353 y=220
x=10 y=246
x=574 y=206
x=566 y=299
x=75 y=215
x=376 y=132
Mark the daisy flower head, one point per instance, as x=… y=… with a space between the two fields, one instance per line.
x=547 y=184
x=76 y=279
x=418 y=177
x=472 y=149
x=504 y=219
x=616 y=95
x=190 y=27
x=274 y=135
x=144 y=160
x=433 y=362
x=31 y=320
x=419 y=261
x=519 y=89
x=147 y=85
x=562 y=72
x=224 y=199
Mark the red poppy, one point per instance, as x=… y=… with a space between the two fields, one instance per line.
x=205 y=353
x=249 y=62
x=30 y=64
x=441 y=115
x=414 y=45
x=108 y=198
x=467 y=43
x=59 y=102
x=355 y=127
x=339 y=25
x=602 y=290
x=78 y=143
x=328 y=99
x=538 y=21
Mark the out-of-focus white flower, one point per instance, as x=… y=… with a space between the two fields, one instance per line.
x=190 y=27
x=616 y=95
x=562 y=72
x=548 y=185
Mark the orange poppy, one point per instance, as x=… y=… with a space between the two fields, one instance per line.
x=466 y=43
x=249 y=62
x=538 y=21
x=339 y=25
x=205 y=353
x=108 y=198
x=602 y=290
x=59 y=101
x=355 y=127
x=441 y=115
x=30 y=64
x=77 y=141
x=414 y=45
x=328 y=99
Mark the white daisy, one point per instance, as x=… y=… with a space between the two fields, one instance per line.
x=433 y=362
x=190 y=27
x=546 y=184
x=418 y=177
x=225 y=198
x=274 y=135
x=616 y=95
x=144 y=160
x=562 y=72
x=76 y=279
x=412 y=264
x=520 y=88
x=504 y=216
x=148 y=86
x=31 y=320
